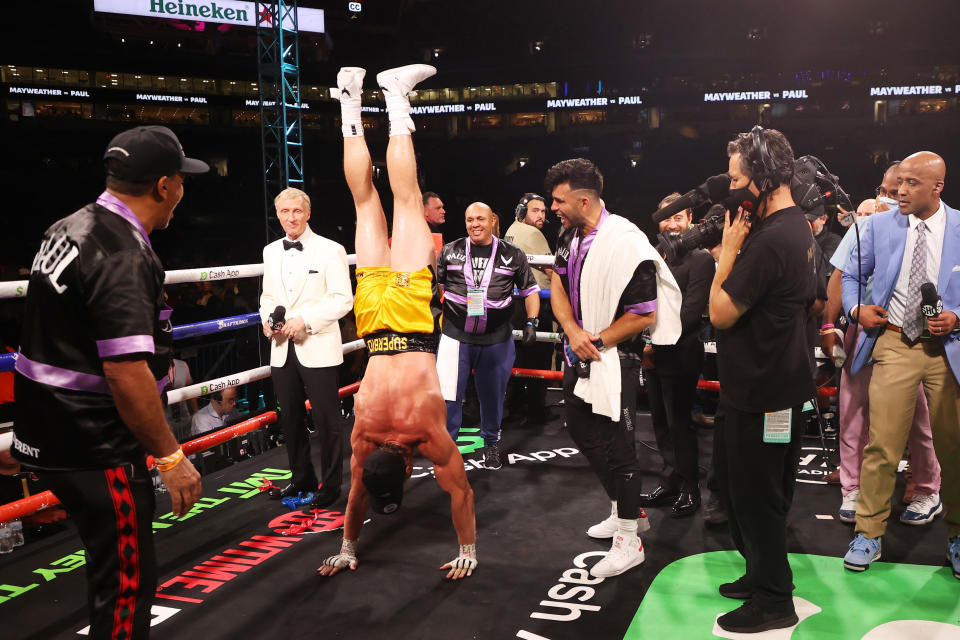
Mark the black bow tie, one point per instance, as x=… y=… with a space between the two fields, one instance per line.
x=292 y=245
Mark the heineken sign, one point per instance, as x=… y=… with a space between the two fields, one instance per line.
x=221 y=11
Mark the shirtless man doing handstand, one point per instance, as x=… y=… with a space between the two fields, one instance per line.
x=399 y=407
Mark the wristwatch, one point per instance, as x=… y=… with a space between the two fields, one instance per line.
x=534 y=321
x=598 y=343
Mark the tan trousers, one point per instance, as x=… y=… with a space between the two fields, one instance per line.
x=899 y=368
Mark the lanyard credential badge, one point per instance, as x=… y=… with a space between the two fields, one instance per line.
x=477 y=292
x=475 y=302
x=776 y=426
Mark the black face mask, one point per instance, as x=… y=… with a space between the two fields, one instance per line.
x=743 y=197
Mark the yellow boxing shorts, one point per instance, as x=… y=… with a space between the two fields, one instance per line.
x=401 y=302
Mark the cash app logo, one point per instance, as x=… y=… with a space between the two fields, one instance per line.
x=887 y=601
x=204 y=389
x=469 y=440
x=203 y=276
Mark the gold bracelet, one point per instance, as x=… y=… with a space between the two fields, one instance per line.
x=169 y=462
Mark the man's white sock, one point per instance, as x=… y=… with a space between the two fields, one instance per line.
x=627 y=528
x=352 y=125
x=398 y=110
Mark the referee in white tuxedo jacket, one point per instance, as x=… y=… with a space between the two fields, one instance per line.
x=308 y=275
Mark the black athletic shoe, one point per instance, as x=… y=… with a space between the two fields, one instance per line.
x=750 y=618
x=738 y=589
x=491 y=456
x=323 y=498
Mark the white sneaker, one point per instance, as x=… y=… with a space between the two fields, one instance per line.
x=623 y=555
x=922 y=510
x=609 y=527
x=349 y=83
x=401 y=80
x=848 y=508
x=604 y=529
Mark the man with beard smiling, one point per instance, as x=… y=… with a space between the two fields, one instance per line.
x=608 y=286
x=672 y=382
x=478 y=274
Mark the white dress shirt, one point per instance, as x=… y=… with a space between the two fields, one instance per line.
x=293 y=264
x=936 y=228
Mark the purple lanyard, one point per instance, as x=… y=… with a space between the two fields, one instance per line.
x=112 y=203
x=487 y=270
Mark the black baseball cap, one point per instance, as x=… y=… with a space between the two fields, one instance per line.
x=383 y=475
x=144 y=154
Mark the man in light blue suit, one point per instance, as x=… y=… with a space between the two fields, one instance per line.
x=902 y=249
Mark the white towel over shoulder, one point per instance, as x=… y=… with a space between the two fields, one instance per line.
x=613 y=257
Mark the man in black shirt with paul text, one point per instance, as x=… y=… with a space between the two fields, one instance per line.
x=94 y=356
x=764 y=284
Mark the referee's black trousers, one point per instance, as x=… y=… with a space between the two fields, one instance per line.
x=756 y=482
x=113 y=512
x=609 y=447
x=293 y=383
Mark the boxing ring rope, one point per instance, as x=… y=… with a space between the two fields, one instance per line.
x=703 y=385
x=18 y=288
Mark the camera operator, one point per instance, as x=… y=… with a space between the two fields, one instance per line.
x=672 y=381
x=759 y=300
x=608 y=286
x=826 y=239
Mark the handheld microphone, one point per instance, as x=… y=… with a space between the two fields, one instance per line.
x=715 y=189
x=931 y=304
x=277 y=318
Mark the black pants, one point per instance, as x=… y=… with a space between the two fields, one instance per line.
x=609 y=446
x=320 y=383
x=671 y=400
x=756 y=482
x=113 y=511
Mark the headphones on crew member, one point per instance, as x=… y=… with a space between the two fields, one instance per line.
x=521 y=211
x=761 y=165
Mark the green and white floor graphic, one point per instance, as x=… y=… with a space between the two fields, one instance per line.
x=887 y=602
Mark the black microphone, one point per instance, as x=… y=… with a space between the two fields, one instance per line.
x=276 y=319
x=930 y=303
x=715 y=189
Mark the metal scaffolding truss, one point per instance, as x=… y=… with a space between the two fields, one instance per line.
x=280 y=107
